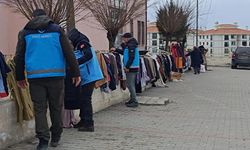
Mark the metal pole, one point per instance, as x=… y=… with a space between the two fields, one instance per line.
x=197 y=22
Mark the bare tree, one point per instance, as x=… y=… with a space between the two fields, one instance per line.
x=174 y=20
x=113 y=15
x=60 y=11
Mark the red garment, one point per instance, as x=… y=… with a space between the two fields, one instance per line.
x=2 y=95
x=174 y=51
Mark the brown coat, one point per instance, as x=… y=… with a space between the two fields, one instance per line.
x=104 y=70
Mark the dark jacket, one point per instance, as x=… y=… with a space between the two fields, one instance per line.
x=72 y=93
x=196 y=57
x=4 y=70
x=131 y=45
x=78 y=39
x=42 y=23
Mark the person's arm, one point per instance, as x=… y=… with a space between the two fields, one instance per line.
x=69 y=55
x=87 y=54
x=119 y=51
x=20 y=57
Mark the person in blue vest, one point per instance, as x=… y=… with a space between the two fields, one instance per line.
x=131 y=60
x=42 y=51
x=90 y=73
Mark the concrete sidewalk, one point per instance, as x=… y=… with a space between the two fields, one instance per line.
x=208 y=112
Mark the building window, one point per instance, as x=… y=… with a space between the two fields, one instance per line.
x=244 y=36
x=233 y=43
x=200 y=43
x=203 y=36
x=154 y=36
x=211 y=44
x=244 y=43
x=226 y=44
x=207 y=37
x=211 y=51
x=200 y=36
x=139 y=32
x=233 y=36
x=143 y=32
x=132 y=27
x=154 y=43
x=203 y=43
x=161 y=41
x=211 y=37
x=226 y=51
x=226 y=37
x=207 y=43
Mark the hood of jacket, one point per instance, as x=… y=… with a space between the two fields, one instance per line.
x=40 y=22
x=132 y=43
x=76 y=37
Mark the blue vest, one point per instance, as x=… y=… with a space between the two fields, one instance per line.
x=44 y=55
x=91 y=70
x=136 y=62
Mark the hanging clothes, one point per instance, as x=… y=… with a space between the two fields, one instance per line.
x=145 y=79
x=112 y=79
x=162 y=70
x=121 y=72
x=114 y=67
x=148 y=68
x=22 y=97
x=104 y=69
x=3 y=93
x=4 y=70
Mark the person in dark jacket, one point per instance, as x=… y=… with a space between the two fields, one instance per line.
x=132 y=64
x=196 y=59
x=204 y=53
x=90 y=73
x=42 y=49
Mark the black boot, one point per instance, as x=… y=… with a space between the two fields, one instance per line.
x=54 y=142
x=43 y=145
x=133 y=104
x=128 y=102
x=86 y=128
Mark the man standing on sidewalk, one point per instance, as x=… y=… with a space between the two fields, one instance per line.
x=131 y=62
x=42 y=49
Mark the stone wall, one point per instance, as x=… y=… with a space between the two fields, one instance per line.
x=219 y=61
x=12 y=132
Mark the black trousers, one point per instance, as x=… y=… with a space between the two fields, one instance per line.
x=48 y=92
x=86 y=109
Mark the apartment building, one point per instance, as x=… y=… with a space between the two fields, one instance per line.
x=155 y=41
x=221 y=40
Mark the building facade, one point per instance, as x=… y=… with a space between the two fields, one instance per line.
x=222 y=40
x=155 y=41
x=11 y=23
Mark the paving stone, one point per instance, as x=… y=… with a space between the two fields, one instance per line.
x=210 y=111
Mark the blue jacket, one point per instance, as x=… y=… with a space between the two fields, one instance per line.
x=136 y=61
x=131 y=55
x=41 y=49
x=90 y=71
x=40 y=43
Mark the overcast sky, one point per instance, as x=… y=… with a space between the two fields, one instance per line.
x=223 y=11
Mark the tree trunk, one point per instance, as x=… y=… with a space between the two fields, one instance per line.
x=111 y=35
x=167 y=49
x=71 y=20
